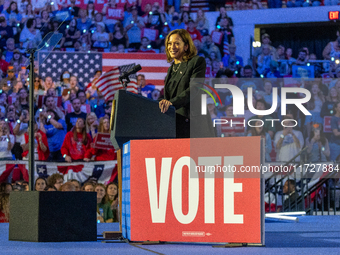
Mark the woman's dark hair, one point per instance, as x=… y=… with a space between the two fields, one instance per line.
x=254 y=133
x=29 y=23
x=80 y=91
x=186 y=38
x=121 y=28
x=47 y=97
x=8 y=10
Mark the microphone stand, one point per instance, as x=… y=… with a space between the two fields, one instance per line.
x=31 y=122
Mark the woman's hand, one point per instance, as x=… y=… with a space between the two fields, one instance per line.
x=100 y=218
x=164 y=105
x=87 y=159
x=68 y=159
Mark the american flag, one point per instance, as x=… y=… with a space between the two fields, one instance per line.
x=83 y=65
x=108 y=83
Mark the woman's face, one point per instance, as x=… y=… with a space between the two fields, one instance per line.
x=176 y=47
x=90 y=120
x=13 y=6
x=258 y=128
x=117 y=27
x=29 y=7
x=73 y=81
x=23 y=94
x=90 y=6
x=100 y=192
x=199 y=13
x=112 y=190
x=333 y=92
x=40 y=185
x=208 y=61
x=73 y=23
x=212 y=55
x=80 y=123
x=51 y=92
x=99 y=28
x=2 y=124
x=16 y=56
x=98 y=17
x=106 y=124
x=315 y=89
x=11 y=111
x=45 y=15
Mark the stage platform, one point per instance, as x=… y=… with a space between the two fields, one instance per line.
x=311 y=235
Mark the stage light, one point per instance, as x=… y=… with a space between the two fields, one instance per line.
x=67 y=26
x=332 y=58
x=254 y=44
x=18 y=25
x=258 y=44
x=308 y=64
x=150 y=13
x=84 y=31
x=237 y=62
x=331 y=111
x=337 y=61
x=6 y=119
x=236 y=72
x=261 y=76
x=165 y=23
x=218 y=26
x=149 y=46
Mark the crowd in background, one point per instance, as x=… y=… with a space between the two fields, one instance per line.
x=69 y=114
x=107 y=195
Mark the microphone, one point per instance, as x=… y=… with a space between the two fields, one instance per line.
x=133 y=70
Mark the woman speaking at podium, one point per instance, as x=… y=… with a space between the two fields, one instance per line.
x=186 y=65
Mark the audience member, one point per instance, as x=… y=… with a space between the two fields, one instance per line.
x=104 y=212
x=55 y=180
x=72 y=117
x=288 y=142
x=112 y=198
x=76 y=142
x=68 y=186
x=55 y=130
x=40 y=184
x=6 y=142
x=41 y=150
x=134 y=25
x=317 y=145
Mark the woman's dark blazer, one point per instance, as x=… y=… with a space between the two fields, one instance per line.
x=186 y=96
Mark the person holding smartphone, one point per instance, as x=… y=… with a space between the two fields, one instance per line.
x=288 y=142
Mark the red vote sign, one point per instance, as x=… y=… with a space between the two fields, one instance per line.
x=115 y=13
x=174 y=198
x=103 y=141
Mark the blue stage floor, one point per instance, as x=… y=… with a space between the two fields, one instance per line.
x=311 y=235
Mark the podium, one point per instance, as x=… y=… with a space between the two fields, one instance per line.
x=134 y=117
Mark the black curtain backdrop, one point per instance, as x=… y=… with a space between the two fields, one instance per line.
x=314 y=36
